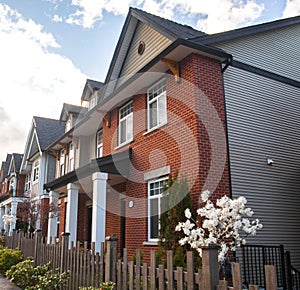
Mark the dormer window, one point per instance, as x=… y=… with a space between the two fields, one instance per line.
x=93 y=101
x=68 y=124
x=99 y=145
x=62 y=162
x=71 y=157
x=35 y=171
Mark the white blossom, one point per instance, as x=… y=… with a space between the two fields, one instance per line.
x=222 y=223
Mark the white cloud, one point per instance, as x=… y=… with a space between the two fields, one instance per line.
x=292 y=8
x=34 y=81
x=211 y=16
x=57 y=18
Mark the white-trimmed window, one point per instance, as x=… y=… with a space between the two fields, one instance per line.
x=99 y=144
x=93 y=102
x=155 y=193
x=28 y=183
x=68 y=124
x=71 y=157
x=35 y=171
x=157 y=105
x=125 y=124
x=62 y=162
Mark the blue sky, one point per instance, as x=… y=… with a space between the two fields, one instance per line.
x=50 y=47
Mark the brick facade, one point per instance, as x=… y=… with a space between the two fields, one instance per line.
x=174 y=144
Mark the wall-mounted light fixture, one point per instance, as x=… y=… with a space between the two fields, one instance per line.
x=131 y=203
x=270 y=161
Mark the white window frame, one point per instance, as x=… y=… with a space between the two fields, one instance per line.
x=62 y=161
x=159 y=197
x=71 y=157
x=68 y=124
x=93 y=102
x=27 y=187
x=35 y=171
x=99 y=145
x=157 y=94
x=126 y=119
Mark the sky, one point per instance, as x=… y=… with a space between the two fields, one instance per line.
x=48 y=48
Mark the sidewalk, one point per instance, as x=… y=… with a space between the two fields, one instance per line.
x=5 y=284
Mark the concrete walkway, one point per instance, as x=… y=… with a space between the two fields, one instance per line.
x=5 y=284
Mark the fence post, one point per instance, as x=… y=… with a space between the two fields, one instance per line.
x=37 y=241
x=64 y=251
x=111 y=258
x=283 y=267
x=289 y=271
x=210 y=266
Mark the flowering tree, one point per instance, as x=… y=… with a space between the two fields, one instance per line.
x=225 y=223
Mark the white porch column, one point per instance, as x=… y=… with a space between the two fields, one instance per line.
x=72 y=212
x=2 y=212
x=99 y=208
x=13 y=212
x=52 y=220
x=7 y=211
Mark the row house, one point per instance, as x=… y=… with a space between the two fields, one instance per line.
x=221 y=111
x=12 y=200
x=38 y=166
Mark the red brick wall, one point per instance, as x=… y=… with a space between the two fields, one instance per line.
x=62 y=221
x=44 y=214
x=172 y=144
x=20 y=185
x=82 y=218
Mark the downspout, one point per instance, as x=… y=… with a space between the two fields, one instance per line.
x=227 y=64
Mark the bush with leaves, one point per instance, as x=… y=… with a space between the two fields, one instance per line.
x=8 y=258
x=28 y=277
x=176 y=198
x=103 y=286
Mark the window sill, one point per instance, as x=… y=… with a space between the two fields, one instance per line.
x=150 y=243
x=155 y=128
x=124 y=144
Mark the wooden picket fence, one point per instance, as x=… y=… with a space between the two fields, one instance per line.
x=90 y=268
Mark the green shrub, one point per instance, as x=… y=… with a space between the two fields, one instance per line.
x=104 y=286
x=28 y=277
x=8 y=258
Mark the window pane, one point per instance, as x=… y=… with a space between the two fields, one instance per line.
x=153 y=114
x=162 y=109
x=154 y=218
x=129 y=127
x=123 y=131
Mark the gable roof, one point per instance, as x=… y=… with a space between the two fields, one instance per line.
x=48 y=130
x=5 y=165
x=178 y=30
x=246 y=31
x=89 y=88
x=168 y=28
x=16 y=161
x=73 y=109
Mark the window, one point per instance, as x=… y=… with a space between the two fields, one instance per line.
x=155 y=192
x=71 y=157
x=125 y=124
x=36 y=169
x=93 y=102
x=99 y=144
x=68 y=124
x=157 y=105
x=28 y=183
x=62 y=162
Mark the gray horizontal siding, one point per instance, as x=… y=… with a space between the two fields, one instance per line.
x=274 y=51
x=154 y=44
x=264 y=121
